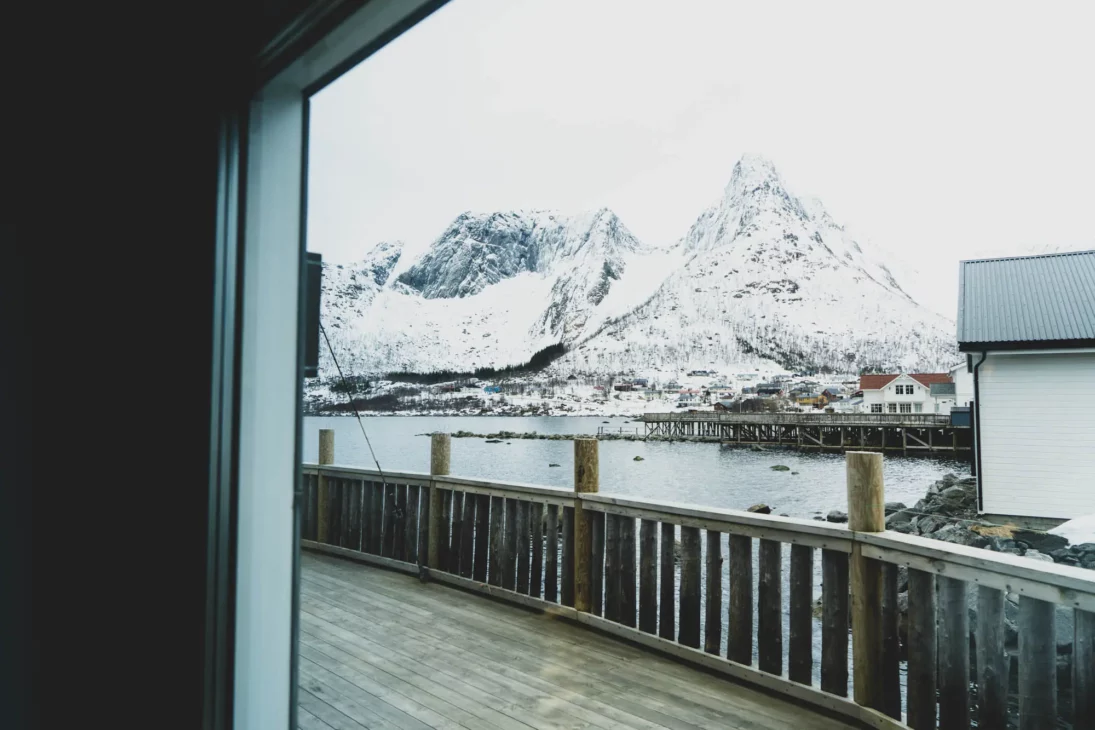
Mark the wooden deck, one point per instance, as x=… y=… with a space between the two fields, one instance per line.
x=379 y=649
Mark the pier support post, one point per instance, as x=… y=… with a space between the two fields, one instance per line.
x=440 y=449
x=866 y=513
x=586 y=480
x=326 y=456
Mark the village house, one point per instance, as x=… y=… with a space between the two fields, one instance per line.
x=1027 y=325
x=900 y=393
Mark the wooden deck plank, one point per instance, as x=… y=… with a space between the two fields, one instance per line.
x=704 y=693
x=439 y=657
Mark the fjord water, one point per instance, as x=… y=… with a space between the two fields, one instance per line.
x=697 y=473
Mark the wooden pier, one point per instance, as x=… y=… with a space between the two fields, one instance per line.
x=673 y=578
x=907 y=433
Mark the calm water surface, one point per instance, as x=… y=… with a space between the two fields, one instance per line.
x=698 y=473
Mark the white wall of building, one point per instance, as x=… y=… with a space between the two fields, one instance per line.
x=963 y=384
x=918 y=401
x=1037 y=429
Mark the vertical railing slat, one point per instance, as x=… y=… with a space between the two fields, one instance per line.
x=688 y=631
x=444 y=533
x=1083 y=670
x=740 y=645
x=522 y=547
x=770 y=608
x=648 y=576
x=482 y=537
x=566 y=569
x=712 y=622
x=835 y=605
x=509 y=558
x=597 y=564
x=922 y=663
x=627 y=572
x=399 y=541
x=467 y=535
x=1037 y=664
x=667 y=592
x=497 y=522
x=891 y=650
x=456 y=532
x=992 y=660
x=612 y=567
x=376 y=517
x=800 y=653
x=411 y=536
x=355 y=516
x=536 y=571
x=954 y=654
x=551 y=554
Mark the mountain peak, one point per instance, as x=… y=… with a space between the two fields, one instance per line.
x=751 y=172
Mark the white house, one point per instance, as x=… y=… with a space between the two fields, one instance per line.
x=901 y=393
x=1029 y=325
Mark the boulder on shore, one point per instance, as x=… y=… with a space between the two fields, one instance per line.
x=760 y=509
x=836 y=515
x=780 y=467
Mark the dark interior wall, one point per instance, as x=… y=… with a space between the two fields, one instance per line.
x=123 y=248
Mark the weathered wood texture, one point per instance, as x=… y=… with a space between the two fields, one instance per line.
x=922 y=661
x=566 y=559
x=1083 y=670
x=835 y=616
x=413 y=538
x=688 y=632
x=379 y=649
x=992 y=660
x=482 y=537
x=523 y=546
x=536 y=569
x=399 y=539
x=866 y=513
x=354 y=518
x=509 y=560
x=376 y=517
x=388 y=549
x=1037 y=665
x=954 y=654
x=440 y=450
x=770 y=608
x=740 y=637
x=627 y=572
x=585 y=482
x=597 y=563
x=444 y=536
x=891 y=650
x=467 y=535
x=612 y=567
x=497 y=523
x=712 y=621
x=648 y=576
x=326 y=456
x=667 y=625
x=456 y=530
x=800 y=652
x=551 y=554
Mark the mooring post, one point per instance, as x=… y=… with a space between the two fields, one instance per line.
x=326 y=456
x=866 y=513
x=440 y=449
x=586 y=479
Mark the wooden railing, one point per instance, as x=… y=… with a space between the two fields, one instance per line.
x=612 y=562
x=807 y=419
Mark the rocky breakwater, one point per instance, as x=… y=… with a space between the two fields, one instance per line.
x=948 y=512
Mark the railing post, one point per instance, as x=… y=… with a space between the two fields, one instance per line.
x=866 y=513
x=440 y=449
x=586 y=479
x=326 y=456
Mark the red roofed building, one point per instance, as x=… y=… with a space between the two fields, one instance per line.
x=901 y=392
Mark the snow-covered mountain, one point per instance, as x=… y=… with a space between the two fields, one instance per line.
x=762 y=275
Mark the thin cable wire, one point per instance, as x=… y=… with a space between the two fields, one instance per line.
x=350 y=395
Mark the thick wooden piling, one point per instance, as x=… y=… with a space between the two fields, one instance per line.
x=586 y=480
x=440 y=451
x=866 y=514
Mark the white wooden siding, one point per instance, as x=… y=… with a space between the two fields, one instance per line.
x=1038 y=434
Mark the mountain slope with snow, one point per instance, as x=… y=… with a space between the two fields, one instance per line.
x=761 y=276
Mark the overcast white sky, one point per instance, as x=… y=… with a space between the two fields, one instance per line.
x=940 y=130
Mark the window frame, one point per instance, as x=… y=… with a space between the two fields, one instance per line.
x=877 y=408
x=891 y=408
x=255 y=452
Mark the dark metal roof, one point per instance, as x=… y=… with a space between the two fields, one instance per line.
x=939 y=389
x=1046 y=300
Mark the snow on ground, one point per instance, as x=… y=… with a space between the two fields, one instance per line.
x=1077 y=531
